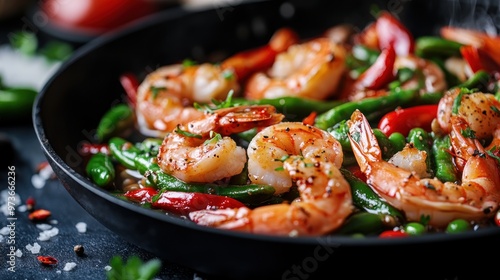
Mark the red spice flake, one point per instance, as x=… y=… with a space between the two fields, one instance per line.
x=39 y=215
x=47 y=260
x=30 y=203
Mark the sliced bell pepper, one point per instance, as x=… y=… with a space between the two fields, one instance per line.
x=181 y=203
x=130 y=84
x=391 y=32
x=380 y=73
x=403 y=120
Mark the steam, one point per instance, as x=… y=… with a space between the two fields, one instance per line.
x=482 y=15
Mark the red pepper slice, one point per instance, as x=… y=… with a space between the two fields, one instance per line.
x=309 y=120
x=380 y=72
x=130 y=84
x=391 y=32
x=47 y=260
x=478 y=59
x=403 y=120
x=182 y=202
x=392 y=233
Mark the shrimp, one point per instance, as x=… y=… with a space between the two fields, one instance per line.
x=165 y=97
x=272 y=144
x=476 y=198
x=310 y=70
x=325 y=196
x=201 y=151
x=480 y=110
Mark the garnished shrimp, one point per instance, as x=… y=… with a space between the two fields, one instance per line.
x=311 y=70
x=480 y=110
x=325 y=196
x=475 y=198
x=201 y=151
x=273 y=144
x=166 y=96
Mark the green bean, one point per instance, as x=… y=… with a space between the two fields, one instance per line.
x=398 y=141
x=442 y=159
x=388 y=149
x=16 y=103
x=479 y=81
x=294 y=108
x=423 y=142
x=114 y=121
x=100 y=169
x=428 y=46
x=248 y=194
x=365 y=198
x=340 y=132
x=367 y=106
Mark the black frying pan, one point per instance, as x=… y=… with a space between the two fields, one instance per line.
x=68 y=109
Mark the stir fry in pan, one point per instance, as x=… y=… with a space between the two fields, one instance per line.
x=366 y=132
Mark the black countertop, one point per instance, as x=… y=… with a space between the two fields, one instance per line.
x=100 y=244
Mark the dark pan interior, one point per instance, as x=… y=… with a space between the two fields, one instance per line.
x=70 y=106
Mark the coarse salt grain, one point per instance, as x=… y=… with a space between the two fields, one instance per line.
x=107 y=268
x=34 y=249
x=19 y=253
x=81 y=227
x=4 y=231
x=43 y=226
x=69 y=266
x=22 y=208
x=47 y=234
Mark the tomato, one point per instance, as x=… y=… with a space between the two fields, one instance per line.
x=95 y=16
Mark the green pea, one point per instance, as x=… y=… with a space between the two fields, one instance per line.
x=398 y=140
x=458 y=226
x=414 y=228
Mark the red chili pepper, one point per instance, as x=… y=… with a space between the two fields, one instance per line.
x=391 y=32
x=47 y=260
x=30 y=203
x=403 y=120
x=497 y=218
x=90 y=149
x=392 y=233
x=380 y=72
x=356 y=171
x=309 y=120
x=39 y=215
x=182 y=202
x=478 y=59
x=130 y=84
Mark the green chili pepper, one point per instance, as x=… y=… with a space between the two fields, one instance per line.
x=442 y=160
x=479 y=81
x=123 y=151
x=365 y=198
x=100 y=169
x=294 y=108
x=16 y=103
x=423 y=142
x=428 y=46
x=114 y=121
x=378 y=105
x=155 y=177
x=362 y=222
